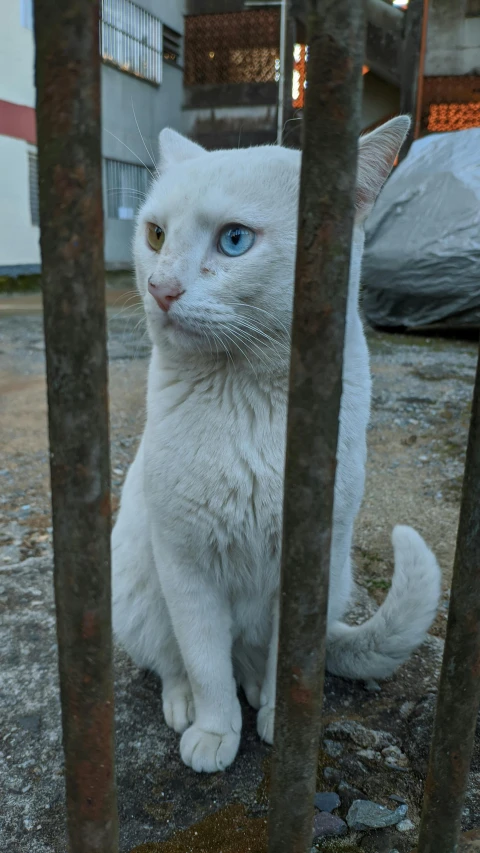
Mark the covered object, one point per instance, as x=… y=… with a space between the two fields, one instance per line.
x=422 y=259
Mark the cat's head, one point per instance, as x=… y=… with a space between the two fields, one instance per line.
x=215 y=243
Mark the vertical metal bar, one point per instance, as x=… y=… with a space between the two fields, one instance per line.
x=459 y=690
x=281 y=79
x=291 y=135
x=68 y=121
x=335 y=36
x=413 y=56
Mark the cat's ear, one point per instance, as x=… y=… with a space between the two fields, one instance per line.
x=174 y=148
x=377 y=153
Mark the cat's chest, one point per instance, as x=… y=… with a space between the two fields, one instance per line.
x=215 y=454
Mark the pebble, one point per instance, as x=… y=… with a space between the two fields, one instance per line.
x=395 y=758
x=363 y=814
x=332 y=775
x=326 y=825
x=405 y=826
x=327 y=801
x=332 y=748
x=369 y=754
x=360 y=735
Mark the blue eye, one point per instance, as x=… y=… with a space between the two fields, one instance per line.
x=235 y=240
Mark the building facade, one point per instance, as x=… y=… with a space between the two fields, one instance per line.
x=142 y=81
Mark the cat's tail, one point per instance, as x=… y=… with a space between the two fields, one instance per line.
x=376 y=648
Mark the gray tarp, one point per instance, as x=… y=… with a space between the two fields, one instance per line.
x=422 y=257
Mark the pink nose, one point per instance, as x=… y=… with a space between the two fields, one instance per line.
x=165 y=294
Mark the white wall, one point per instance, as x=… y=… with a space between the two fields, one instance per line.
x=18 y=237
x=17 y=54
x=155 y=108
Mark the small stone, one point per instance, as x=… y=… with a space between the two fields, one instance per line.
x=326 y=825
x=331 y=774
x=369 y=754
x=397 y=799
x=372 y=686
x=332 y=748
x=30 y=722
x=363 y=814
x=358 y=734
x=405 y=826
x=349 y=794
x=327 y=801
x=395 y=758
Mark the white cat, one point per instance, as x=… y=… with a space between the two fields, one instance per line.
x=196 y=547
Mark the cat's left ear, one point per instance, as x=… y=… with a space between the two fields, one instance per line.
x=376 y=155
x=174 y=148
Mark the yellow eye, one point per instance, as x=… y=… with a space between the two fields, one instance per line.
x=155 y=236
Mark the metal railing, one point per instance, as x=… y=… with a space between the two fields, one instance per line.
x=68 y=117
x=71 y=240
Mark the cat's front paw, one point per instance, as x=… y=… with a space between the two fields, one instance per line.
x=266 y=723
x=207 y=752
x=178 y=708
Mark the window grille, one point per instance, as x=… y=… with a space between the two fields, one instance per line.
x=171 y=45
x=232 y=47
x=446 y=117
x=33 y=187
x=450 y=103
x=131 y=39
x=126 y=185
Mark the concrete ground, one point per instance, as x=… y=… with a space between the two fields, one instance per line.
x=422 y=393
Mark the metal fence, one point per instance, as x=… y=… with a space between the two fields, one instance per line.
x=68 y=116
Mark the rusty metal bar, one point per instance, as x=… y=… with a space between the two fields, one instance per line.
x=68 y=121
x=459 y=689
x=335 y=35
x=413 y=60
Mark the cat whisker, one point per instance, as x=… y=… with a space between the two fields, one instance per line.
x=269 y=340
x=263 y=311
x=150 y=153
x=234 y=341
x=134 y=154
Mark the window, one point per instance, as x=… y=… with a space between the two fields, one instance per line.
x=33 y=187
x=232 y=47
x=26 y=14
x=126 y=185
x=171 y=45
x=131 y=39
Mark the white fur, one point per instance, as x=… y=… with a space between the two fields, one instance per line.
x=196 y=547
